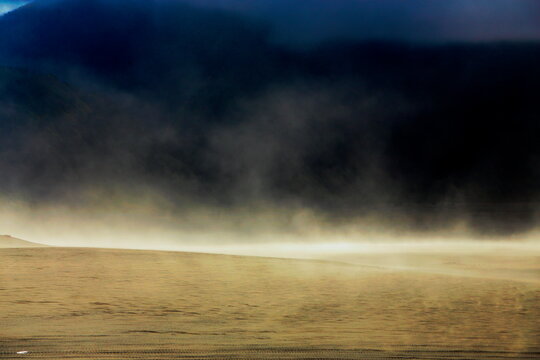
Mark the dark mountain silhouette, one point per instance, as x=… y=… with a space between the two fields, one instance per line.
x=163 y=49
x=201 y=102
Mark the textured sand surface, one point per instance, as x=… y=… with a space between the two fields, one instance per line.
x=116 y=304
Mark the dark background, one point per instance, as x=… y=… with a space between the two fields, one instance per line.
x=355 y=110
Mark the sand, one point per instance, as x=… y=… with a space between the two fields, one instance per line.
x=80 y=303
x=10 y=242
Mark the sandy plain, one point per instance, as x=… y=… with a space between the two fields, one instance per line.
x=82 y=303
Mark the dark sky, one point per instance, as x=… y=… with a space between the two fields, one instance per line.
x=309 y=21
x=205 y=109
x=9 y=5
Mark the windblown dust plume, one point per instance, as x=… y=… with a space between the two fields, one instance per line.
x=197 y=127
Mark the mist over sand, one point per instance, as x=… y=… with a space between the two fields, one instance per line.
x=361 y=290
x=149 y=220
x=267 y=179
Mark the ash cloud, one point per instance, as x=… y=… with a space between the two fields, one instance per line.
x=198 y=117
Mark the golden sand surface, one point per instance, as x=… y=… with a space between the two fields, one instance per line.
x=81 y=303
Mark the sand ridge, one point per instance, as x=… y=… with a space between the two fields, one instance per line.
x=9 y=242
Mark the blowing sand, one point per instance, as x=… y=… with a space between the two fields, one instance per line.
x=115 y=304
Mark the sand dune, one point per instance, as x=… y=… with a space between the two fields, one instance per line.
x=7 y=242
x=114 y=304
